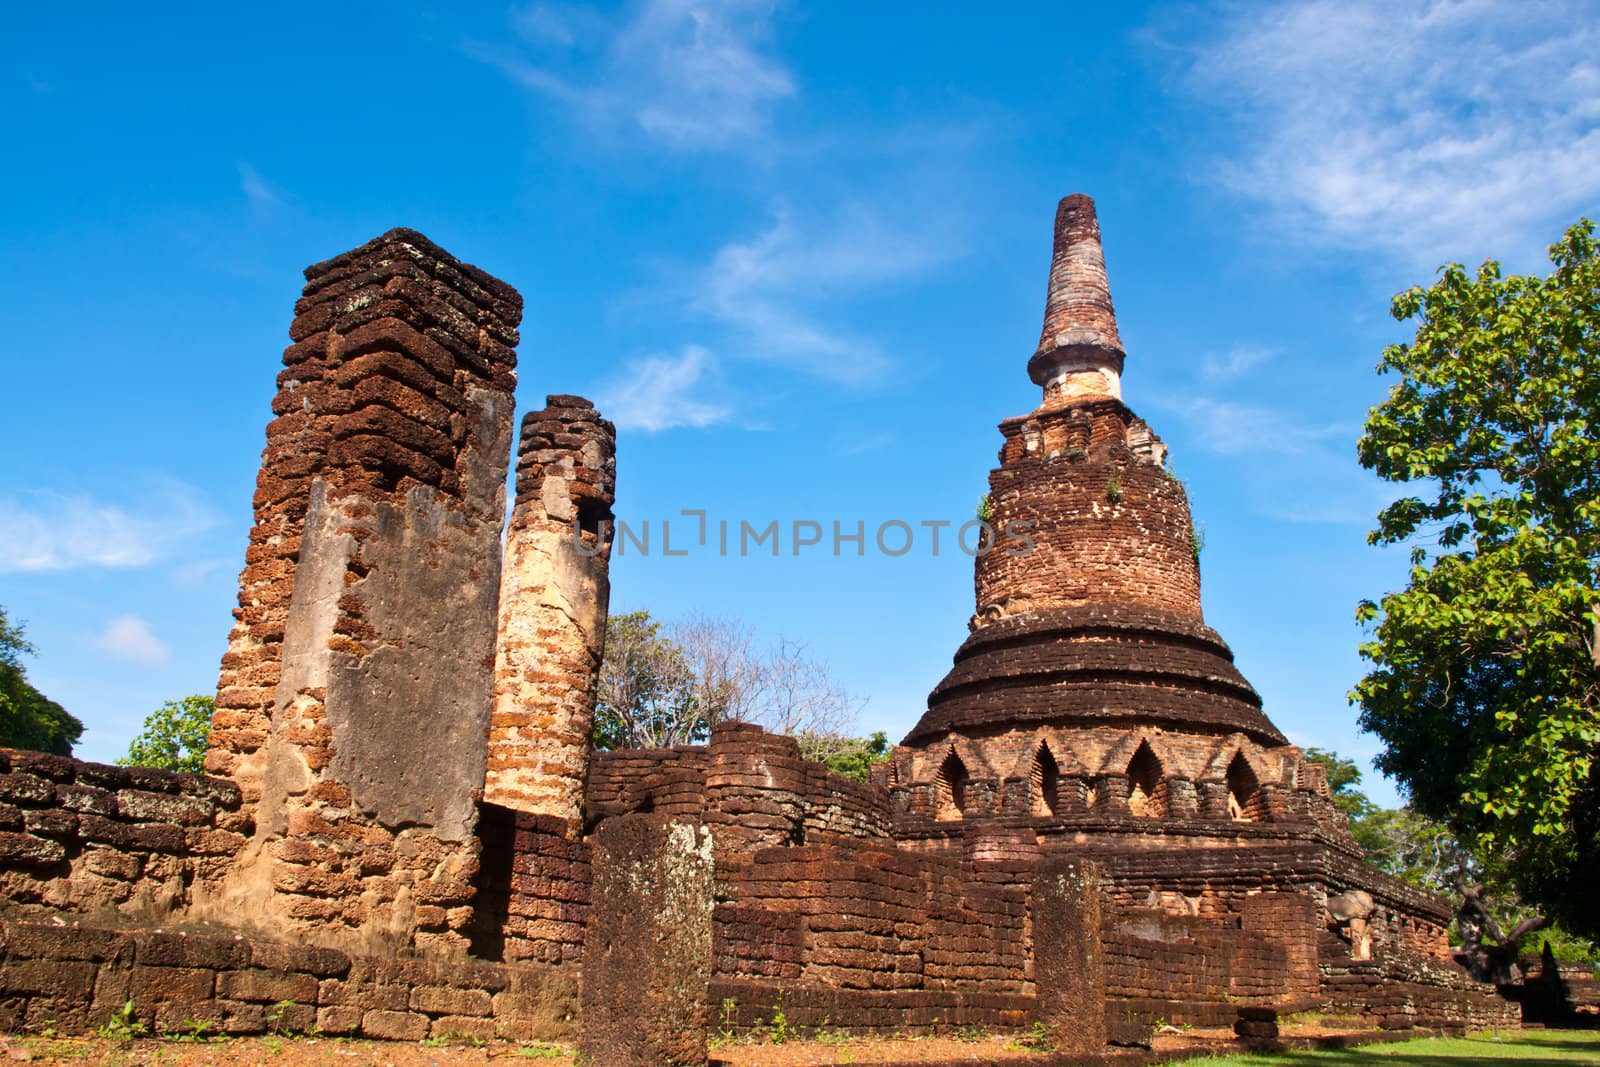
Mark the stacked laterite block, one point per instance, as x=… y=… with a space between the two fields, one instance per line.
x=369 y=604
x=886 y=939
x=75 y=979
x=553 y=600
x=90 y=839
x=533 y=888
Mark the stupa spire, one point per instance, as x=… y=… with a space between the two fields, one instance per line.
x=1080 y=353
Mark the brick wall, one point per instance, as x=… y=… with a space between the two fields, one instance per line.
x=872 y=938
x=1398 y=990
x=92 y=839
x=76 y=978
x=1193 y=970
x=752 y=788
x=533 y=889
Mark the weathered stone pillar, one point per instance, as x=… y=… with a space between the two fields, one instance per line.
x=647 y=953
x=554 y=595
x=368 y=603
x=1068 y=960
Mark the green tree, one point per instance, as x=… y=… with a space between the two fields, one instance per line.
x=851 y=757
x=174 y=736
x=663 y=685
x=1343 y=777
x=646 y=693
x=1485 y=672
x=29 y=719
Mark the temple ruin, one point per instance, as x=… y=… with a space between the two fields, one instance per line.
x=404 y=830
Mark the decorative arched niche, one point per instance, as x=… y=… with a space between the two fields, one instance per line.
x=1244 y=791
x=1147 y=785
x=1046 y=782
x=950 y=788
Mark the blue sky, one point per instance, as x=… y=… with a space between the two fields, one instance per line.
x=797 y=252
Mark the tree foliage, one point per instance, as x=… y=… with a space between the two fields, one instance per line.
x=1485 y=673
x=28 y=718
x=664 y=685
x=852 y=757
x=174 y=736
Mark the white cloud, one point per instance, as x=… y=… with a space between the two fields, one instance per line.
x=128 y=637
x=45 y=531
x=1292 y=470
x=262 y=194
x=1231 y=429
x=662 y=392
x=767 y=288
x=690 y=74
x=1431 y=129
x=1236 y=362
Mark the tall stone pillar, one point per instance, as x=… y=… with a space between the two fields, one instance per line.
x=554 y=596
x=1068 y=958
x=368 y=603
x=647 y=957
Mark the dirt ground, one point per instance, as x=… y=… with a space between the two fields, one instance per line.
x=298 y=1051
x=317 y=1052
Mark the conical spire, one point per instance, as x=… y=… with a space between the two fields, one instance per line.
x=1079 y=351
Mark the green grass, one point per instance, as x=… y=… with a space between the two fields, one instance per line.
x=1532 y=1047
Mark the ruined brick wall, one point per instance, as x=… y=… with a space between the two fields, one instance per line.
x=554 y=596
x=876 y=936
x=76 y=979
x=111 y=842
x=1198 y=971
x=750 y=787
x=368 y=603
x=1398 y=990
x=668 y=781
x=533 y=889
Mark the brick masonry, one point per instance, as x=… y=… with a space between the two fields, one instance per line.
x=114 y=843
x=553 y=605
x=75 y=978
x=380 y=503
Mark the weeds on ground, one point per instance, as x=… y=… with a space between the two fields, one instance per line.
x=275 y=1015
x=778 y=1030
x=832 y=1037
x=123 y=1025
x=725 y=1034
x=1040 y=1037
x=540 y=1051
x=195 y=1031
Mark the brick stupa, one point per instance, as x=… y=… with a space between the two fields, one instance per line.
x=1090 y=688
